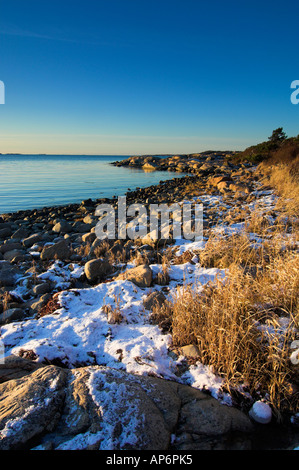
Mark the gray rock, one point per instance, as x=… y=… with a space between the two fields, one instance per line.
x=239 y=188
x=15 y=367
x=191 y=350
x=96 y=269
x=5 y=232
x=37 y=305
x=10 y=255
x=207 y=417
x=10 y=246
x=12 y=314
x=30 y=241
x=41 y=289
x=4 y=225
x=60 y=250
x=90 y=219
x=81 y=227
x=39 y=396
x=150 y=166
x=154 y=299
x=20 y=234
x=19 y=258
x=89 y=237
x=8 y=274
x=62 y=227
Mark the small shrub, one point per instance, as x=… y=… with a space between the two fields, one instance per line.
x=50 y=307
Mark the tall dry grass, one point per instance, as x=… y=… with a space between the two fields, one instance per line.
x=244 y=325
x=284 y=178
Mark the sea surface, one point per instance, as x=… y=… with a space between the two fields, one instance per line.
x=36 y=181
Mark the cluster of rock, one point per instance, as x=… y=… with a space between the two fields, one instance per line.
x=190 y=163
x=29 y=242
x=229 y=179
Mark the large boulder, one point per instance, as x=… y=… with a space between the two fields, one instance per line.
x=15 y=367
x=95 y=407
x=10 y=255
x=149 y=166
x=235 y=187
x=20 y=234
x=216 y=180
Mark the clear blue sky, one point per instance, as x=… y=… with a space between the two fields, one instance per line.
x=146 y=76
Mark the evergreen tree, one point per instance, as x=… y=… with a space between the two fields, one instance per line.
x=277 y=136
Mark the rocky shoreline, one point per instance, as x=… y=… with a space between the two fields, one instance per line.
x=53 y=253
x=30 y=240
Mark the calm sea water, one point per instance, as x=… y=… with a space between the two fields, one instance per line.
x=31 y=181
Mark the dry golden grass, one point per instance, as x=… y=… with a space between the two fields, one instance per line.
x=222 y=252
x=50 y=307
x=162 y=315
x=4 y=299
x=139 y=258
x=284 y=178
x=113 y=313
x=237 y=327
x=163 y=277
x=101 y=249
x=83 y=250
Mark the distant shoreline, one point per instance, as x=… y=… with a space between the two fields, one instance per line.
x=204 y=152
x=60 y=155
x=87 y=154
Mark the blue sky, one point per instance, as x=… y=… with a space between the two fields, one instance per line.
x=146 y=76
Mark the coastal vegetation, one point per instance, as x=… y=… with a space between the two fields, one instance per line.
x=277 y=149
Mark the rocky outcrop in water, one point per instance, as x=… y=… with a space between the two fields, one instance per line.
x=190 y=163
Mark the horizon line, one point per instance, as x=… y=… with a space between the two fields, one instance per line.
x=117 y=154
